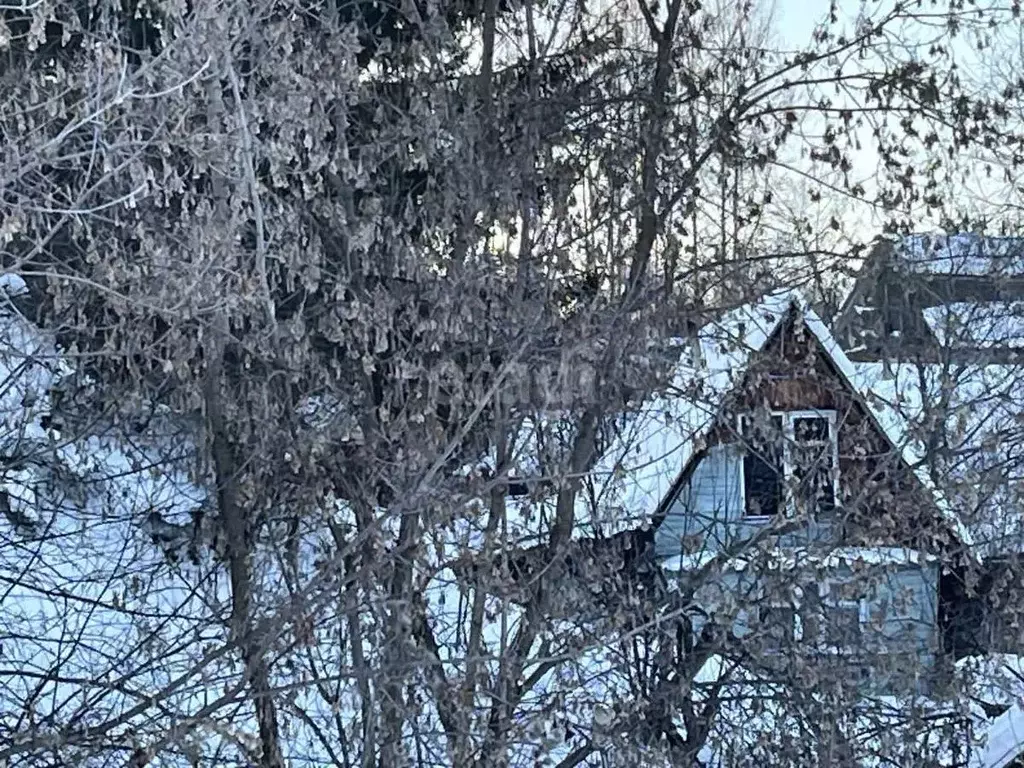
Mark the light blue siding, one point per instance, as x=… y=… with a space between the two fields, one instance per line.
x=903 y=631
x=708 y=506
x=709 y=510
x=906 y=603
x=900 y=632
x=899 y=641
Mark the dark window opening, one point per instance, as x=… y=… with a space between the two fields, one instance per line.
x=778 y=623
x=797 y=451
x=898 y=307
x=763 y=467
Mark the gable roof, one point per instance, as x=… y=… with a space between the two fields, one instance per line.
x=961 y=369
x=642 y=461
x=948 y=271
x=981 y=412
x=962 y=254
x=655 y=447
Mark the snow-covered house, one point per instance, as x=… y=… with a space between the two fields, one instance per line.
x=936 y=328
x=766 y=461
x=937 y=298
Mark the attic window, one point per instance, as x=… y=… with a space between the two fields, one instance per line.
x=813 y=458
x=763 y=465
x=795 y=450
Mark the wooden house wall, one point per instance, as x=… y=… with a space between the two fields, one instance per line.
x=881 y=502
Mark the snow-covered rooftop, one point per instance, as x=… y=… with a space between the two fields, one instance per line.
x=963 y=254
x=978 y=325
x=1004 y=740
x=654 y=444
x=994 y=680
x=967 y=407
x=13 y=284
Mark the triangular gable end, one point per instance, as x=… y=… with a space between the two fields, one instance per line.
x=891 y=424
x=884 y=421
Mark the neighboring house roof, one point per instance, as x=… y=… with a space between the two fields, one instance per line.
x=639 y=467
x=964 y=255
x=969 y=286
x=961 y=254
x=652 y=452
x=1005 y=740
x=977 y=325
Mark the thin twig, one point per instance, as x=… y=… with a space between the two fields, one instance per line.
x=254 y=198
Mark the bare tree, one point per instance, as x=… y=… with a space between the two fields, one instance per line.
x=347 y=301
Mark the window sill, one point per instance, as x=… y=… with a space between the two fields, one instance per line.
x=830 y=519
x=838 y=650
x=757 y=519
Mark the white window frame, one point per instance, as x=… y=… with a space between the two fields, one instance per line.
x=788 y=467
x=795 y=604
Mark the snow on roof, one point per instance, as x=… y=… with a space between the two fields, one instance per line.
x=993 y=680
x=978 y=398
x=12 y=284
x=653 y=446
x=981 y=411
x=649 y=447
x=963 y=254
x=996 y=679
x=977 y=325
x=1004 y=740
x=889 y=420
x=799 y=557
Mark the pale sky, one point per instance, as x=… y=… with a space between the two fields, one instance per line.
x=795 y=21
